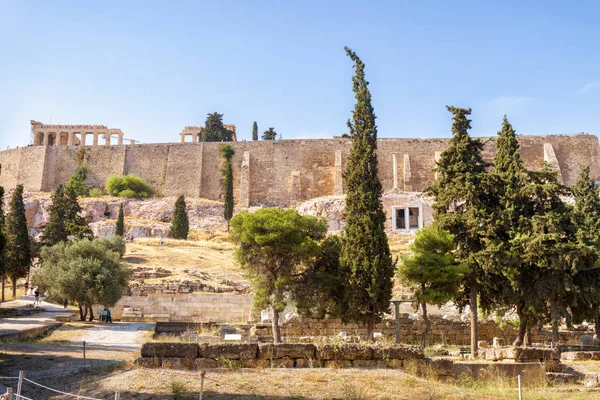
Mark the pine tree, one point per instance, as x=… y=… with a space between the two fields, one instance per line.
x=180 y=225
x=227 y=152
x=17 y=238
x=365 y=257
x=461 y=196
x=269 y=134
x=214 y=130
x=2 y=242
x=120 y=226
x=254 y=131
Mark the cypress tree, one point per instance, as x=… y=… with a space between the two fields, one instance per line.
x=512 y=277
x=2 y=242
x=120 y=227
x=17 y=238
x=227 y=152
x=460 y=207
x=75 y=223
x=254 y=131
x=55 y=231
x=585 y=301
x=214 y=130
x=180 y=225
x=365 y=258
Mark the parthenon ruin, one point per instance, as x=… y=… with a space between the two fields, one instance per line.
x=72 y=135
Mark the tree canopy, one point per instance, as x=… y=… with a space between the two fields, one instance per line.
x=17 y=239
x=88 y=272
x=180 y=226
x=128 y=186
x=269 y=134
x=214 y=130
x=254 y=131
x=65 y=218
x=120 y=225
x=227 y=152
x=272 y=245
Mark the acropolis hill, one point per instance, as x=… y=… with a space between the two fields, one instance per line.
x=281 y=172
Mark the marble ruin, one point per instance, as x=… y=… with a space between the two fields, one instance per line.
x=194 y=133
x=73 y=135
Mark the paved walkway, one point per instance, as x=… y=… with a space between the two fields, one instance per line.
x=10 y=327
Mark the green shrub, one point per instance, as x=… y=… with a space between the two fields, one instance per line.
x=130 y=186
x=96 y=192
x=77 y=182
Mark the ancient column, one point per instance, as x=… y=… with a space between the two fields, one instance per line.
x=95 y=141
x=182 y=137
x=107 y=135
x=407 y=174
x=46 y=134
x=82 y=141
x=131 y=141
x=70 y=136
x=245 y=180
x=120 y=140
x=194 y=138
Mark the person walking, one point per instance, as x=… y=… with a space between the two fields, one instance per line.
x=66 y=303
x=108 y=316
x=36 y=299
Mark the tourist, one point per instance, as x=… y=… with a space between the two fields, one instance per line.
x=26 y=287
x=66 y=303
x=36 y=299
x=108 y=317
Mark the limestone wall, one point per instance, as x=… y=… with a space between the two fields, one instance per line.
x=196 y=307
x=280 y=172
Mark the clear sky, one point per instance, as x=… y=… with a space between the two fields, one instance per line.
x=151 y=67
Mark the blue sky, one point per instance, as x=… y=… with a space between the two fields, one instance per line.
x=151 y=67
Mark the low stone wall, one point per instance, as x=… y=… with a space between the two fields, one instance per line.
x=286 y=355
x=520 y=354
x=197 y=307
x=442 y=330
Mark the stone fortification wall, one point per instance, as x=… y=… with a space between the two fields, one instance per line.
x=279 y=172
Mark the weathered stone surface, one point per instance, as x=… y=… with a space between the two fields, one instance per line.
x=350 y=351
x=553 y=366
x=274 y=363
x=338 y=364
x=576 y=355
x=170 y=349
x=591 y=380
x=281 y=350
x=305 y=363
x=397 y=352
x=392 y=363
x=148 y=362
x=534 y=353
x=365 y=363
x=205 y=363
x=173 y=363
x=233 y=351
x=560 y=378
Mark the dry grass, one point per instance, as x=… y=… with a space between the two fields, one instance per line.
x=324 y=383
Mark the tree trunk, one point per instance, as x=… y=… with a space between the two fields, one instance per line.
x=14 y=287
x=473 y=304
x=370 y=329
x=555 y=320
x=228 y=226
x=3 y=285
x=427 y=325
x=275 y=325
x=528 y=335
x=522 y=326
x=91 y=314
x=82 y=315
x=597 y=329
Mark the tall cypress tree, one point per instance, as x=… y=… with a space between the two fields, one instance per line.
x=75 y=223
x=55 y=231
x=460 y=207
x=179 y=224
x=365 y=258
x=513 y=274
x=2 y=242
x=17 y=238
x=585 y=301
x=120 y=226
x=254 y=131
x=214 y=130
x=227 y=152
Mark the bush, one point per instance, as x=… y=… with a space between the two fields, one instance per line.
x=96 y=192
x=130 y=186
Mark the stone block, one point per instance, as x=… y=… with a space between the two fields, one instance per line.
x=233 y=351
x=397 y=352
x=498 y=342
x=553 y=366
x=349 y=351
x=148 y=362
x=586 y=340
x=275 y=363
x=591 y=380
x=305 y=363
x=205 y=363
x=170 y=349
x=365 y=363
x=576 y=356
x=173 y=363
x=560 y=378
x=336 y=364
x=392 y=363
x=281 y=350
x=534 y=353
